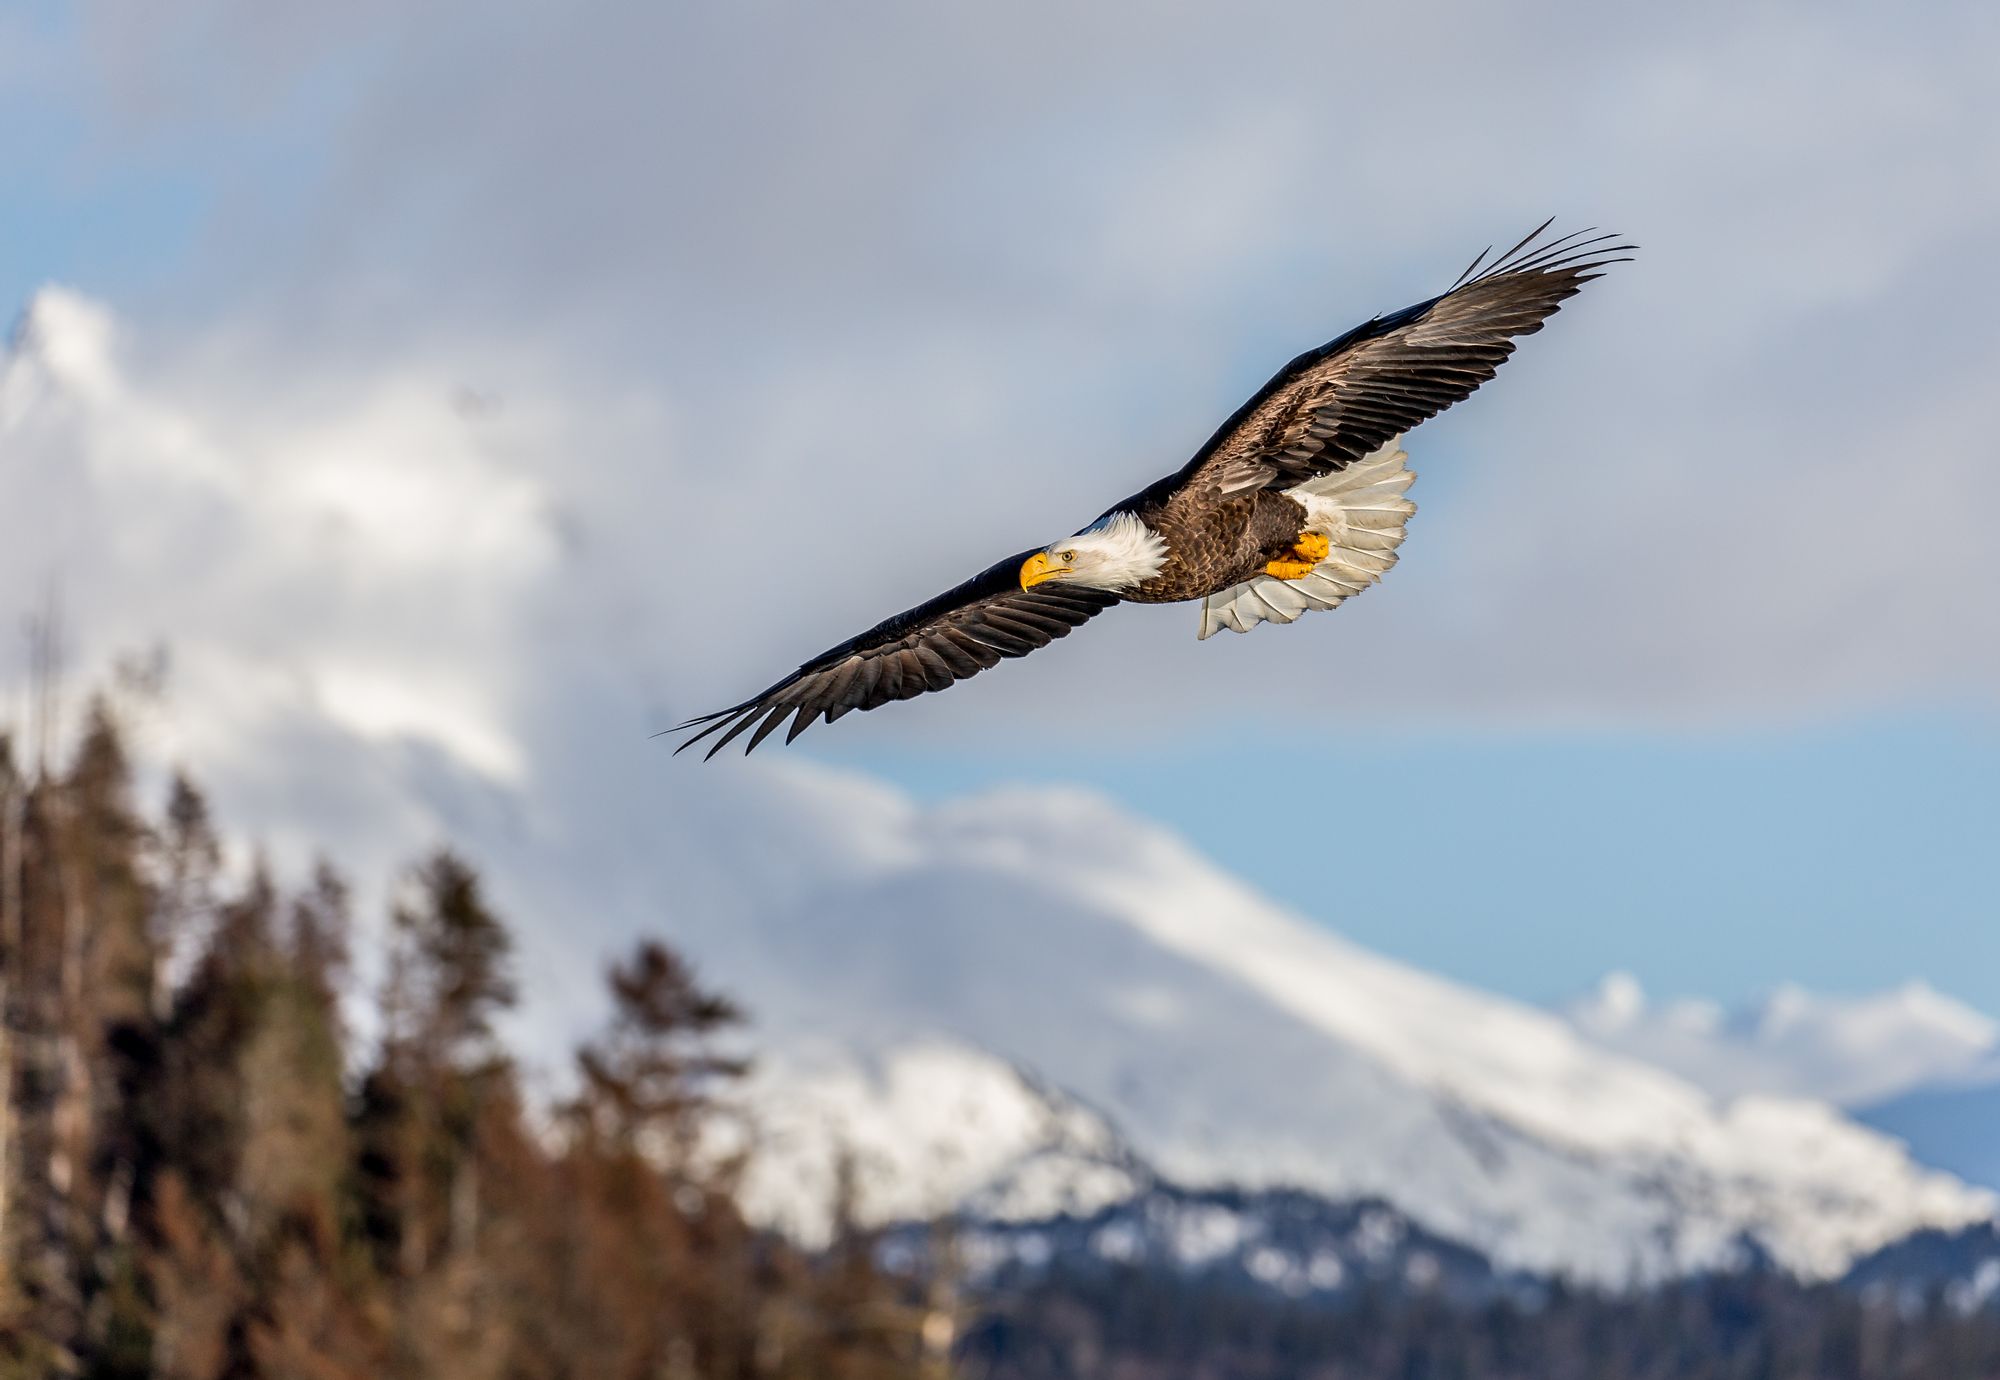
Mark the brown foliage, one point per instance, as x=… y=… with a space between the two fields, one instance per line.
x=206 y=1179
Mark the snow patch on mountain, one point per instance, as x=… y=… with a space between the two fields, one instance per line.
x=927 y=1128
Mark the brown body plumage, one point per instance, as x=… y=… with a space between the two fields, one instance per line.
x=1215 y=542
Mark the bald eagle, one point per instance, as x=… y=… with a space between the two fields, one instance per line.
x=1296 y=503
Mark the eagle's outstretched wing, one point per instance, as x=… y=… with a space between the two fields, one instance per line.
x=1331 y=406
x=934 y=645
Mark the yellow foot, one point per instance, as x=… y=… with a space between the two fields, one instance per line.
x=1310 y=549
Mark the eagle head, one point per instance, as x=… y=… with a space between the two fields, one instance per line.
x=1116 y=552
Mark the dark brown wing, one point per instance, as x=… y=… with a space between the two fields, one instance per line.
x=1331 y=406
x=934 y=645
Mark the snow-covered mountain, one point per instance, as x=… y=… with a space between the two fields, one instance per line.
x=929 y=1125
x=1195 y=1028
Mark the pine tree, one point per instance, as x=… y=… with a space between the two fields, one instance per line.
x=650 y=1082
x=190 y=861
x=79 y=975
x=440 y=1086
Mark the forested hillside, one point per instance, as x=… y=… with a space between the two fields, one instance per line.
x=207 y=1173
x=1754 y=1325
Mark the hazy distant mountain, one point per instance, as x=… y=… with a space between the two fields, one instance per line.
x=1909 y=1061
x=1963 y=1266
x=1851 y=1051
x=1956 y=1129
x=1295 y=1244
x=1169 y=1019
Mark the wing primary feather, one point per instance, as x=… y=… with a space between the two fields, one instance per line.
x=1555 y=256
x=1332 y=405
x=1499 y=264
x=767 y=727
x=748 y=717
x=1470 y=269
x=1590 y=254
x=1527 y=254
x=686 y=724
x=801 y=721
x=716 y=722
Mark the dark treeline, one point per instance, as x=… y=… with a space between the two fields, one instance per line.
x=1758 y=1325
x=204 y=1174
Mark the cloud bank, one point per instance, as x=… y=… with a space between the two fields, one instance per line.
x=790 y=321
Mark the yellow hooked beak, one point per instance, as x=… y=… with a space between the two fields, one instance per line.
x=1036 y=569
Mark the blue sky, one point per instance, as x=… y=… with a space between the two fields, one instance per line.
x=1692 y=663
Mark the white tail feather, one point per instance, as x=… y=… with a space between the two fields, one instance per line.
x=1361 y=511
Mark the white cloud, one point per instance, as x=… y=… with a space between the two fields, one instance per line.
x=1852 y=1051
x=942 y=283
x=731 y=301
x=355 y=566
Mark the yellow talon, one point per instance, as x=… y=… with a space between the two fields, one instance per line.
x=1310 y=548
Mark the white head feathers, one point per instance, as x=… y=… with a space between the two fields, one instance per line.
x=1116 y=552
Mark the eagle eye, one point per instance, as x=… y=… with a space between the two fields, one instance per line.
x=1068 y=556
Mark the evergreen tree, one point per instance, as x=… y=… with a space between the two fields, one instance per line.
x=650 y=1081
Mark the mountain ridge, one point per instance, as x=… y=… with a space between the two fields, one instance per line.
x=1230 y=1043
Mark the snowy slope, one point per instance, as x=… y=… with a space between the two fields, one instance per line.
x=1229 y=1042
x=927 y=1127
